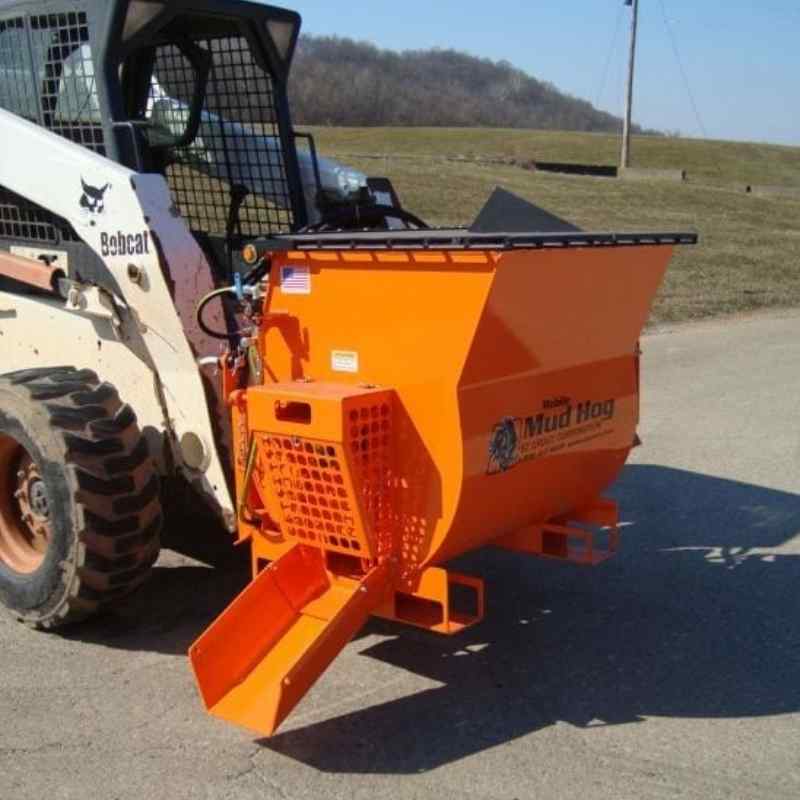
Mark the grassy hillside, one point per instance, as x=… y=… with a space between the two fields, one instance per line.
x=750 y=253
x=720 y=162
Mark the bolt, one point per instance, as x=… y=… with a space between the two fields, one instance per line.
x=136 y=274
x=38 y=498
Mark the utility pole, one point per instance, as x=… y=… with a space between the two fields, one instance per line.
x=625 y=159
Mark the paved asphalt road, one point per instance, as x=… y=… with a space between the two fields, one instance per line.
x=673 y=671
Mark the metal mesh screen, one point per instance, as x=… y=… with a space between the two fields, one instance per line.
x=237 y=151
x=17 y=83
x=21 y=219
x=47 y=77
x=68 y=89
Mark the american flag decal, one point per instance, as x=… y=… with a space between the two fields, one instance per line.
x=295 y=280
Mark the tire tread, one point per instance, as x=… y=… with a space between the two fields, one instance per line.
x=113 y=484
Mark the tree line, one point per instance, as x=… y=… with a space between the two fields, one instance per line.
x=340 y=82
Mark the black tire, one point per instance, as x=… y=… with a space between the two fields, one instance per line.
x=102 y=501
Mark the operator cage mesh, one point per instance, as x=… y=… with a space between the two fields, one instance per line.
x=47 y=76
x=236 y=156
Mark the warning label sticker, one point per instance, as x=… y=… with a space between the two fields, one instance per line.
x=344 y=361
x=295 y=280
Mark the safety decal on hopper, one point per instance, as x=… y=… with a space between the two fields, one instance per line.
x=295 y=280
x=344 y=361
x=560 y=426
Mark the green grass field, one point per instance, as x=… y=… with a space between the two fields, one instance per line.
x=749 y=256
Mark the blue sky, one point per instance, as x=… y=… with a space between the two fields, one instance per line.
x=741 y=59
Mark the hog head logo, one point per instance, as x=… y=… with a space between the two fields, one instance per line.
x=92 y=199
x=503 y=446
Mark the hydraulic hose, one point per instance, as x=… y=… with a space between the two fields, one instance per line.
x=201 y=307
x=252 y=277
x=361 y=217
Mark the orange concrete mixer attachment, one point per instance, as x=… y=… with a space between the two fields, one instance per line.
x=409 y=397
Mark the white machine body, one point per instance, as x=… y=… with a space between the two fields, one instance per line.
x=133 y=338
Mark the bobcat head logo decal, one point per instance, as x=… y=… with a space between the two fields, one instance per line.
x=92 y=199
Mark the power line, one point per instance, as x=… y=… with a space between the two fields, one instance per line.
x=678 y=58
x=610 y=57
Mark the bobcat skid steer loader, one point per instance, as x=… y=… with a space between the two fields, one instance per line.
x=142 y=145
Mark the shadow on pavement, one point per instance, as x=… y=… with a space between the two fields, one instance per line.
x=198 y=575
x=690 y=620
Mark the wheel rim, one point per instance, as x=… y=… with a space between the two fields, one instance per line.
x=25 y=527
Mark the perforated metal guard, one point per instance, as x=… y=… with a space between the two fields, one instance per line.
x=238 y=144
x=335 y=496
x=369 y=450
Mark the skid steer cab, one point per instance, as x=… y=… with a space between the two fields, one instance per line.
x=194 y=304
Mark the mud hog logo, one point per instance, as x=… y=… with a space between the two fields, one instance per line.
x=92 y=200
x=503 y=446
x=559 y=427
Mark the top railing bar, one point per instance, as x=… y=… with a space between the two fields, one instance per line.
x=448 y=239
